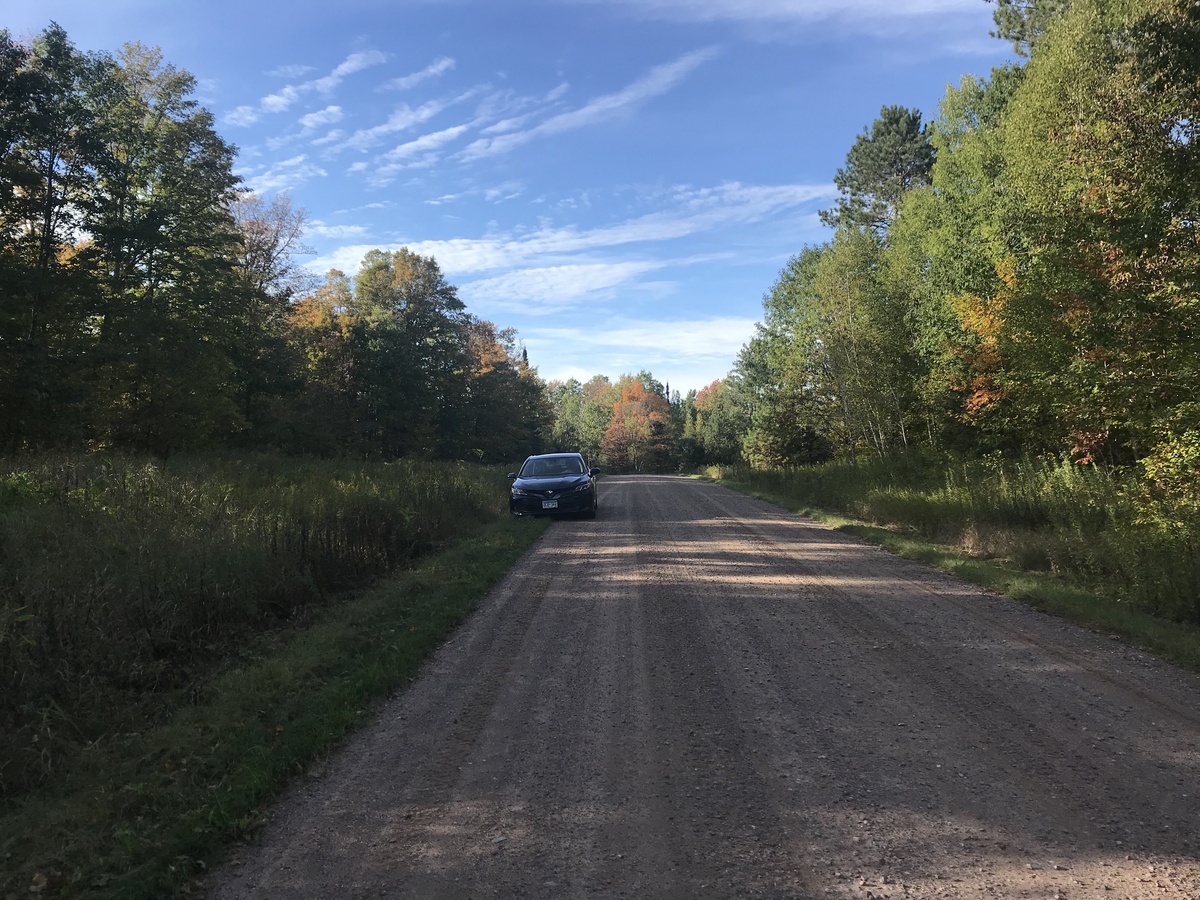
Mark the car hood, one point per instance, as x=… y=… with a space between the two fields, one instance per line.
x=556 y=483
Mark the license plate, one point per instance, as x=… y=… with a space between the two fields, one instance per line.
x=549 y=504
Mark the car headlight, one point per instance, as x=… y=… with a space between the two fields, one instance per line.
x=517 y=492
x=582 y=487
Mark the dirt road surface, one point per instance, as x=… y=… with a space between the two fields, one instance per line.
x=699 y=695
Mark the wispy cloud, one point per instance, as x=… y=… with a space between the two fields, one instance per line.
x=791 y=11
x=506 y=125
x=721 y=337
x=291 y=72
x=425 y=143
x=509 y=190
x=499 y=193
x=402 y=118
x=336 y=232
x=438 y=67
x=692 y=211
x=282 y=176
x=657 y=81
x=418 y=153
x=549 y=289
x=287 y=96
x=327 y=116
x=243 y=116
x=446 y=198
x=330 y=137
x=355 y=62
x=697 y=348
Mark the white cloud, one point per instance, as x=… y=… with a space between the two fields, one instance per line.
x=686 y=354
x=289 y=95
x=337 y=232
x=355 y=62
x=274 y=103
x=548 y=289
x=401 y=119
x=327 y=116
x=291 y=72
x=693 y=211
x=331 y=137
x=657 y=81
x=425 y=143
x=438 y=67
x=283 y=176
x=721 y=337
x=506 y=125
x=419 y=153
x=509 y=190
x=242 y=116
x=445 y=198
x=793 y=11
x=505 y=104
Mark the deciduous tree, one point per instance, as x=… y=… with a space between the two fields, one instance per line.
x=638 y=434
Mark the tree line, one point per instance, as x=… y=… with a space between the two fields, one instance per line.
x=1019 y=274
x=148 y=303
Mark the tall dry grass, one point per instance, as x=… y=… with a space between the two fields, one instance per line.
x=1103 y=528
x=121 y=576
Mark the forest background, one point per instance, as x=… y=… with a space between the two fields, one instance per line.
x=1017 y=275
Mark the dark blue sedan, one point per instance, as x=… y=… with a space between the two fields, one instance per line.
x=554 y=484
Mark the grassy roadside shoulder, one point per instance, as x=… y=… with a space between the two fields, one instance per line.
x=144 y=813
x=1053 y=594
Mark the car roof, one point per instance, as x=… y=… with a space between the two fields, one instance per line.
x=551 y=455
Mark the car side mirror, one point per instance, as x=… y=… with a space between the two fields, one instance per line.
x=512 y=475
x=594 y=471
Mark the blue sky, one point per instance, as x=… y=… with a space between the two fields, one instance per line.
x=619 y=180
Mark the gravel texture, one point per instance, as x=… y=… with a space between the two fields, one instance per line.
x=699 y=695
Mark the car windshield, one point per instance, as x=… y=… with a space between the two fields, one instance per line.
x=550 y=466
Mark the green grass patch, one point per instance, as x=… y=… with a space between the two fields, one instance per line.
x=1060 y=594
x=141 y=811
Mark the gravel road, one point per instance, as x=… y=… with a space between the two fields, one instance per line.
x=699 y=695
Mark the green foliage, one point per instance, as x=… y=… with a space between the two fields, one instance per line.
x=168 y=780
x=124 y=574
x=1037 y=291
x=1023 y=22
x=722 y=417
x=1101 y=528
x=581 y=414
x=1102 y=310
x=893 y=156
x=151 y=306
x=1170 y=489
